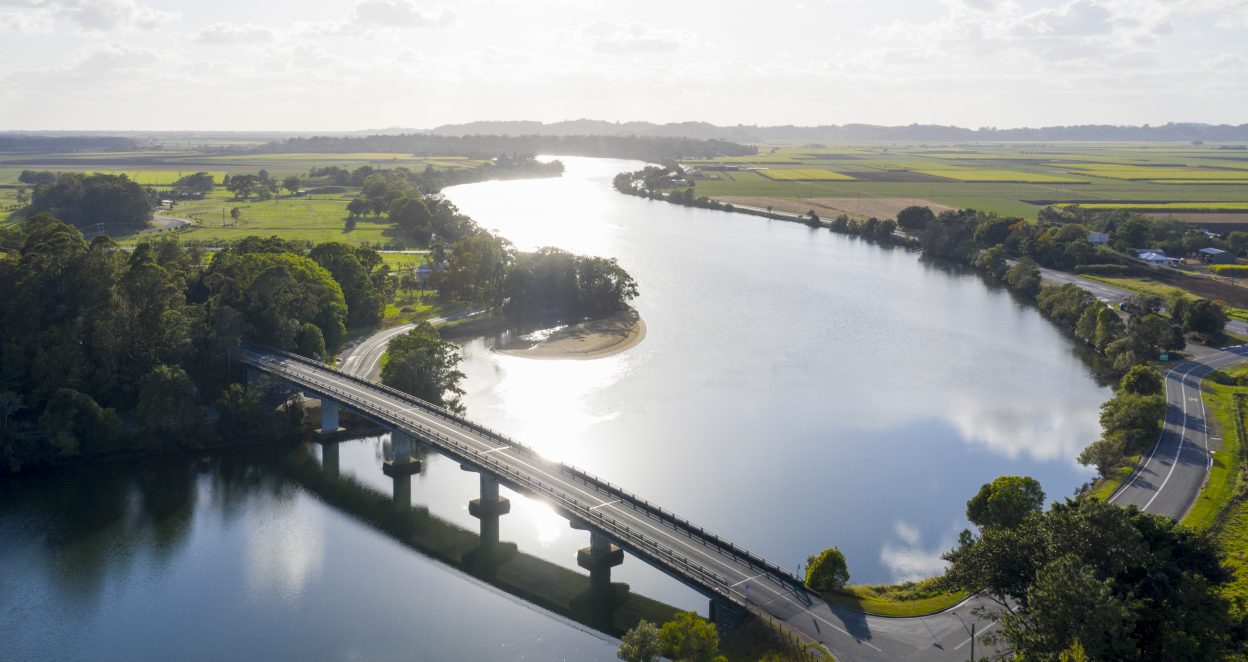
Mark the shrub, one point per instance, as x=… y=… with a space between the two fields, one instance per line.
x=827 y=570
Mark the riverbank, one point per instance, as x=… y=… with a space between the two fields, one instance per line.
x=585 y=340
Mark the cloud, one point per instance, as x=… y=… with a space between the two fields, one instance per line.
x=99 y=15
x=28 y=22
x=635 y=38
x=235 y=33
x=401 y=14
x=909 y=561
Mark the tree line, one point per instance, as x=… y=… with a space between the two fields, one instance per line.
x=643 y=148
x=93 y=336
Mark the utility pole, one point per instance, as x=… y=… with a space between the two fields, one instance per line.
x=972 y=642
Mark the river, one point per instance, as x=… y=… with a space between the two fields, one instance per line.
x=796 y=389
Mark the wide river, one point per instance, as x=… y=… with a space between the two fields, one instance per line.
x=796 y=390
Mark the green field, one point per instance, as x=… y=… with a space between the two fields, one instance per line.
x=993 y=176
x=1016 y=179
x=809 y=174
x=1169 y=206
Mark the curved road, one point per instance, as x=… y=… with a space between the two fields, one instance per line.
x=1167 y=482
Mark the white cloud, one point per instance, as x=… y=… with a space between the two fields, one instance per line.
x=99 y=15
x=401 y=14
x=25 y=22
x=635 y=38
x=235 y=33
x=910 y=561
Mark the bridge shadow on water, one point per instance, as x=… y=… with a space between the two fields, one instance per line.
x=611 y=609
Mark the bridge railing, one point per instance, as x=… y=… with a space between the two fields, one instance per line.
x=708 y=538
x=580 y=509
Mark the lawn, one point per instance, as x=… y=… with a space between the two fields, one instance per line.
x=908 y=599
x=313 y=219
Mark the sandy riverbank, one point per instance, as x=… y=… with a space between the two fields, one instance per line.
x=586 y=340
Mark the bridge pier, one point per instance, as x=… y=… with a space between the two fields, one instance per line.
x=489 y=507
x=724 y=614
x=598 y=559
x=400 y=466
x=329 y=417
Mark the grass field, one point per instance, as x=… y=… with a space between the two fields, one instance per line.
x=805 y=175
x=1169 y=206
x=908 y=599
x=313 y=219
x=991 y=176
x=1013 y=180
x=1226 y=474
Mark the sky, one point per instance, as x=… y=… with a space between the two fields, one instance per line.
x=309 y=65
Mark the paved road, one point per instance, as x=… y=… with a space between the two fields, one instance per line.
x=364 y=358
x=1172 y=472
x=676 y=547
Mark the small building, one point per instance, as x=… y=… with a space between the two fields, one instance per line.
x=1098 y=238
x=1157 y=259
x=1141 y=252
x=1216 y=256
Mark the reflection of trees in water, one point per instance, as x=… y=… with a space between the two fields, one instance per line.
x=97 y=520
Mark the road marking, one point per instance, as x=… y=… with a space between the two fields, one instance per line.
x=968 y=639
x=495 y=450
x=671 y=538
x=746 y=580
x=602 y=505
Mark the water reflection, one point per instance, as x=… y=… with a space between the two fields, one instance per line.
x=789 y=378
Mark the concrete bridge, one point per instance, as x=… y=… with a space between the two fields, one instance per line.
x=735 y=580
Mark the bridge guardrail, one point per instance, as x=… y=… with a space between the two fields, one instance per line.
x=693 y=571
x=658 y=512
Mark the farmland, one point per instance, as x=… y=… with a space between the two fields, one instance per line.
x=1010 y=179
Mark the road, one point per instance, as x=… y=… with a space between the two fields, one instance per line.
x=1167 y=483
x=678 y=548
x=364 y=358
x=1172 y=472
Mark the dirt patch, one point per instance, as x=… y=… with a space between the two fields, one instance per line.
x=586 y=340
x=825 y=207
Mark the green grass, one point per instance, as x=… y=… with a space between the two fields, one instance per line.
x=313 y=219
x=1012 y=180
x=990 y=175
x=1105 y=487
x=1226 y=476
x=908 y=599
x=805 y=175
x=1168 y=206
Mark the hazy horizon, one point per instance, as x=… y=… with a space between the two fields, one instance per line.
x=157 y=65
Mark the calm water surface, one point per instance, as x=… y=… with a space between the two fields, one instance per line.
x=796 y=389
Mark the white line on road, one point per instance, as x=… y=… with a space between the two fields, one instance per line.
x=968 y=639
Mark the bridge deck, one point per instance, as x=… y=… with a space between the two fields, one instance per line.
x=699 y=558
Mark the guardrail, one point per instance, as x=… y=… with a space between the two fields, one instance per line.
x=644 y=546
x=706 y=538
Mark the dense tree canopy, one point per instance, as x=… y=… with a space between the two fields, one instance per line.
x=1006 y=501
x=827 y=570
x=1123 y=584
x=86 y=201
x=419 y=362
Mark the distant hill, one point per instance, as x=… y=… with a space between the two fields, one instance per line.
x=1183 y=132
x=476 y=145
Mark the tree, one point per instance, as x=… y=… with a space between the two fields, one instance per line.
x=1122 y=583
x=87 y=200
x=166 y=400
x=422 y=364
x=688 y=637
x=914 y=219
x=242 y=186
x=1005 y=502
x=1024 y=277
x=365 y=303
x=310 y=342
x=291 y=184
x=1205 y=317
x=412 y=214
x=1141 y=380
x=641 y=644
x=827 y=570
x=198 y=184
x=357 y=207
x=23 y=195
x=235 y=214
